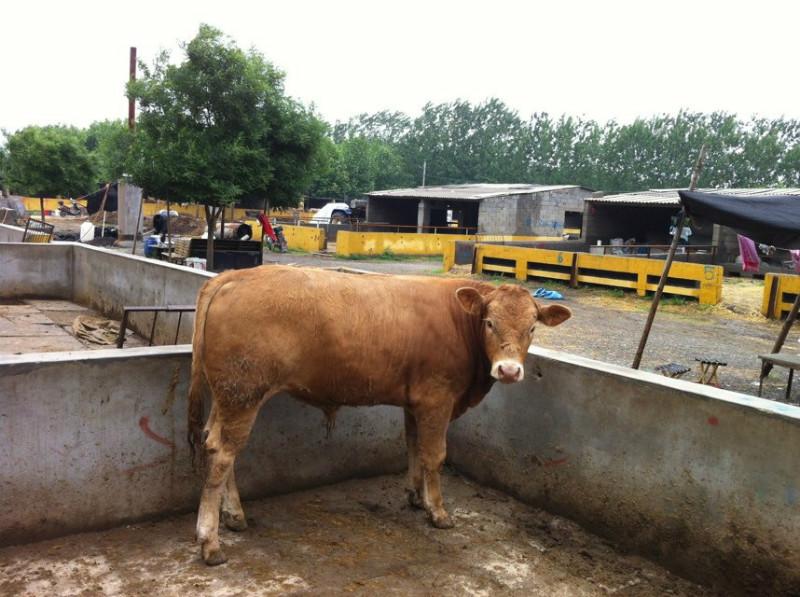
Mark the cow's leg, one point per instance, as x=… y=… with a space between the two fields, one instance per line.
x=432 y=434
x=414 y=490
x=227 y=435
x=232 y=512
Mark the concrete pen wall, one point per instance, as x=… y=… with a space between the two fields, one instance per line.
x=104 y=280
x=703 y=480
x=108 y=280
x=97 y=438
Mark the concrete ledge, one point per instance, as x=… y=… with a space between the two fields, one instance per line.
x=96 y=439
x=703 y=480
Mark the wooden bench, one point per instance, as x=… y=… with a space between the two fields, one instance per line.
x=789 y=361
x=708 y=370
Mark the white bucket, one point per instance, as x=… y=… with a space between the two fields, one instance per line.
x=87 y=232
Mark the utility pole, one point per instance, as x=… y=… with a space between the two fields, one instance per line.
x=131 y=101
x=424 y=170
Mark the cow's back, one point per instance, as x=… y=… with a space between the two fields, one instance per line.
x=335 y=337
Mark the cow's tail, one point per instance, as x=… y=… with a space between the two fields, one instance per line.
x=199 y=384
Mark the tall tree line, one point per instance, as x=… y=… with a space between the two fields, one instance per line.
x=458 y=142
x=461 y=142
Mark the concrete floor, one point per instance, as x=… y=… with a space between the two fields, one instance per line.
x=45 y=325
x=357 y=537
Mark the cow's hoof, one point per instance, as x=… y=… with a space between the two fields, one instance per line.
x=214 y=557
x=414 y=499
x=234 y=522
x=442 y=521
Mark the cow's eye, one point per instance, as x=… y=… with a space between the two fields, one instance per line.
x=533 y=327
x=489 y=324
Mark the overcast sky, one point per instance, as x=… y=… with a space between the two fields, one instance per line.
x=67 y=62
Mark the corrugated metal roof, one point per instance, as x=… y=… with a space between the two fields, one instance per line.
x=469 y=192
x=670 y=196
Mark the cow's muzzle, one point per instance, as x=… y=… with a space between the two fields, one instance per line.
x=508 y=371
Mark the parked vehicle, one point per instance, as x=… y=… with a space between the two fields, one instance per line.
x=332 y=213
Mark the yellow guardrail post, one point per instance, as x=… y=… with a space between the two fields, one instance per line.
x=776 y=286
x=521 y=267
x=449 y=256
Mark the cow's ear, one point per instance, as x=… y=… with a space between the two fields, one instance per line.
x=553 y=314
x=470 y=300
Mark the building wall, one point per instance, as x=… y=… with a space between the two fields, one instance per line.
x=703 y=480
x=498 y=215
x=532 y=214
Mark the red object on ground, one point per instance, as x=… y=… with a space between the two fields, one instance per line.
x=267 y=227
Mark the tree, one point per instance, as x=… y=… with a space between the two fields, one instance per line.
x=109 y=141
x=48 y=161
x=217 y=128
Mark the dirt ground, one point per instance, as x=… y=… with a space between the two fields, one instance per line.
x=358 y=537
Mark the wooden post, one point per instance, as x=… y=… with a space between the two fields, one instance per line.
x=169 y=236
x=787 y=325
x=41 y=207
x=573 y=271
x=136 y=228
x=637 y=360
x=773 y=298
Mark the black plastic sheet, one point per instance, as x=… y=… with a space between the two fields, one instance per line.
x=771 y=220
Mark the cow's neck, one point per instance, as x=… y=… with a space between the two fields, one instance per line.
x=479 y=365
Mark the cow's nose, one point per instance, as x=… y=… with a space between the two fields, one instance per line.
x=509 y=372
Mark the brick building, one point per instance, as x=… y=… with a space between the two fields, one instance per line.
x=518 y=209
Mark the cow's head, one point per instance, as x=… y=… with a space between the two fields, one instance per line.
x=508 y=315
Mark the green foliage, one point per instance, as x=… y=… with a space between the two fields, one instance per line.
x=358 y=165
x=218 y=128
x=487 y=142
x=48 y=161
x=109 y=142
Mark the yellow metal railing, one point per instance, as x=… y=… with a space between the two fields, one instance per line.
x=780 y=291
x=703 y=282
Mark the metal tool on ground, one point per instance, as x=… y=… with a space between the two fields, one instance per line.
x=673 y=370
x=708 y=370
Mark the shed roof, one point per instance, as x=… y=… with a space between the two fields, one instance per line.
x=669 y=197
x=470 y=192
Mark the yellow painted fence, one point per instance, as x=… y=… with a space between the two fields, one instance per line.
x=299 y=238
x=400 y=243
x=150 y=208
x=703 y=282
x=412 y=243
x=780 y=291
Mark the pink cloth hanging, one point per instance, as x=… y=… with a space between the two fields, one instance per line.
x=796 y=259
x=747 y=249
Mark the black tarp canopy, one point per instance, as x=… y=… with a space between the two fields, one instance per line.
x=768 y=219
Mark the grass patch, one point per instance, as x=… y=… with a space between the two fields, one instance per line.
x=677 y=301
x=389 y=255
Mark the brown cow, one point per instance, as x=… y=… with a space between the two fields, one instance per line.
x=433 y=347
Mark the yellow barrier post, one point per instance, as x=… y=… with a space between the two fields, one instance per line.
x=448 y=256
